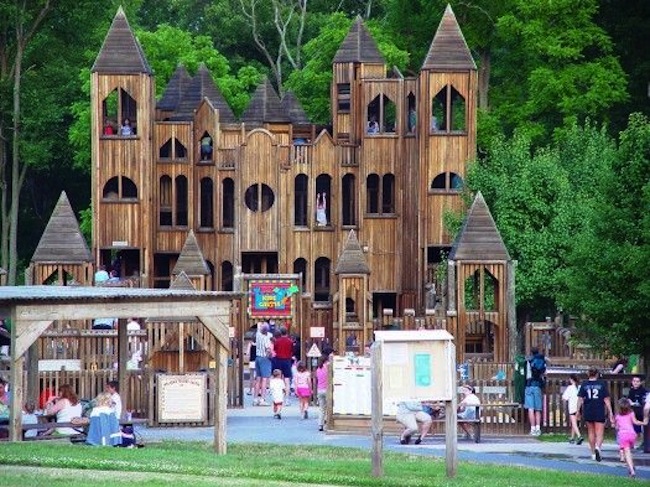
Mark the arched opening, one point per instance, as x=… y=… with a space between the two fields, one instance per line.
x=490 y=292
x=206 y=218
x=111 y=189
x=455 y=182
x=181 y=201
x=322 y=279
x=206 y=147
x=120 y=188
x=372 y=194
x=439 y=112
x=458 y=111
x=259 y=197
x=165 y=199
x=348 y=200
x=411 y=117
x=472 y=289
x=119 y=113
x=228 y=203
x=323 y=201
x=226 y=276
x=300 y=267
x=439 y=182
x=381 y=116
x=300 y=192
x=388 y=194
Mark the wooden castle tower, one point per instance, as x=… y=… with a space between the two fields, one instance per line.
x=272 y=193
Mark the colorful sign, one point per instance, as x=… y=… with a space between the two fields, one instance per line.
x=269 y=299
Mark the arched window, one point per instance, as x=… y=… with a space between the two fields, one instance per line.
x=226 y=276
x=322 y=279
x=372 y=189
x=206 y=219
x=388 y=194
x=300 y=192
x=228 y=203
x=119 y=113
x=172 y=150
x=181 y=201
x=120 y=188
x=165 y=210
x=300 y=267
x=323 y=203
x=381 y=116
x=448 y=111
x=206 y=147
x=411 y=114
x=448 y=182
x=348 y=200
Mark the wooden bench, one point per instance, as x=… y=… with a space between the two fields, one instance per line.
x=476 y=422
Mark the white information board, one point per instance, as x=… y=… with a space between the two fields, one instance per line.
x=182 y=398
x=351 y=385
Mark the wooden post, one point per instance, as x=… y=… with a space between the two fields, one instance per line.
x=377 y=412
x=220 y=394
x=181 y=347
x=32 y=386
x=451 y=424
x=513 y=336
x=122 y=359
x=16 y=383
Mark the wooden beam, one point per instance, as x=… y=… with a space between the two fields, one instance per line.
x=26 y=334
x=220 y=392
x=120 y=309
x=377 y=418
x=218 y=326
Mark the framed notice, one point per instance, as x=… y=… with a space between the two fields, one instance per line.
x=271 y=298
x=182 y=398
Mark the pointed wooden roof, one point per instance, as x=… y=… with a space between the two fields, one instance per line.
x=358 y=46
x=479 y=239
x=62 y=241
x=352 y=260
x=174 y=90
x=448 y=49
x=203 y=86
x=2 y=271
x=182 y=282
x=191 y=259
x=121 y=52
x=265 y=106
x=293 y=108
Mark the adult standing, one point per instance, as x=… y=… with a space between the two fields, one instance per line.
x=637 y=396
x=535 y=382
x=596 y=407
x=283 y=348
x=322 y=387
x=264 y=349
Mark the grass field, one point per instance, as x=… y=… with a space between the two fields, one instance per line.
x=52 y=464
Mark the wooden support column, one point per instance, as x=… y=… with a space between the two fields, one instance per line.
x=122 y=359
x=451 y=426
x=220 y=393
x=181 y=347
x=32 y=386
x=377 y=418
x=511 y=319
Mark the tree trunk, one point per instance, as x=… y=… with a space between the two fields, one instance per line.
x=484 y=79
x=15 y=171
x=4 y=196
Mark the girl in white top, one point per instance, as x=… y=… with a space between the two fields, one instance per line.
x=65 y=406
x=570 y=395
x=277 y=389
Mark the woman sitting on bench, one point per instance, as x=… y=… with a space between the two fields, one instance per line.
x=65 y=406
x=467 y=408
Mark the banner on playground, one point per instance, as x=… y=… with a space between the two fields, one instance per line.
x=271 y=299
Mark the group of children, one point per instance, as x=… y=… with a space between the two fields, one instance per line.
x=624 y=422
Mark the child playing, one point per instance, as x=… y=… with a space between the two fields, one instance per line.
x=626 y=436
x=303 y=388
x=570 y=395
x=276 y=386
x=28 y=417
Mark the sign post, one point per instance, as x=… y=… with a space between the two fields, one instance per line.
x=377 y=412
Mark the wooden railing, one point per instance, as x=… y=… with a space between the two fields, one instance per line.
x=300 y=154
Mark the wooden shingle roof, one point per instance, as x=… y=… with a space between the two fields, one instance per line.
x=174 y=90
x=182 y=282
x=191 y=259
x=293 y=108
x=448 y=49
x=121 y=52
x=479 y=239
x=352 y=260
x=358 y=46
x=265 y=106
x=203 y=86
x=62 y=241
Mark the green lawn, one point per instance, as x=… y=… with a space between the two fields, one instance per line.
x=56 y=463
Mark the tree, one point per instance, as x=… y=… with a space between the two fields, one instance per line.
x=608 y=288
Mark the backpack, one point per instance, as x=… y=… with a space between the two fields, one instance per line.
x=537 y=366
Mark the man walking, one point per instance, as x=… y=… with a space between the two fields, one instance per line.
x=264 y=349
x=535 y=382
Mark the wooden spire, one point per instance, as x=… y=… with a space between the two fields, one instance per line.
x=62 y=242
x=191 y=259
x=479 y=238
x=352 y=260
x=174 y=90
x=358 y=46
x=121 y=52
x=182 y=282
x=265 y=106
x=448 y=49
x=203 y=86
x=293 y=108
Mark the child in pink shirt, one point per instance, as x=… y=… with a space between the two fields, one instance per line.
x=625 y=434
x=303 y=388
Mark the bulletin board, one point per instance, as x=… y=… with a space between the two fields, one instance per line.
x=351 y=377
x=417 y=365
x=182 y=398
